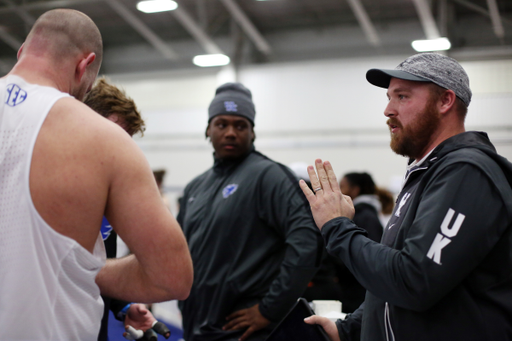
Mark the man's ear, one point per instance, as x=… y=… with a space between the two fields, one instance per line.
x=207 y=131
x=253 y=135
x=83 y=64
x=19 y=51
x=447 y=101
x=113 y=117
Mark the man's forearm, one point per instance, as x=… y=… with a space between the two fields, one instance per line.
x=126 y=279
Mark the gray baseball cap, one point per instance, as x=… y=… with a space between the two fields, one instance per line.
x=427 y=67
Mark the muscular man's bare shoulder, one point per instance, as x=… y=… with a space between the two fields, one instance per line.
x=73 y=164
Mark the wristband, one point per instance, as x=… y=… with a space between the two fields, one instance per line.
x=122 y=314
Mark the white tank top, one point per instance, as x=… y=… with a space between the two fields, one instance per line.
x=47 y=287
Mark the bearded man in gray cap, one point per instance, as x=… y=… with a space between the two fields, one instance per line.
x=250 y=231
x=444 y=268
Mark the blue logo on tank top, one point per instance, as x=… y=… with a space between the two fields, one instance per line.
x=106 y=229
x=15 y=95
x=228 y=190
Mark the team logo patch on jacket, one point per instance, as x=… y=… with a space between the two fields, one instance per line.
x=228 y=190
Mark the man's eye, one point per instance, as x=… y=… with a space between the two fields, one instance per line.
x=401 y=97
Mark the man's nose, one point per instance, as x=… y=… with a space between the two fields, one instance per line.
x=230 y=131
x=389 y=111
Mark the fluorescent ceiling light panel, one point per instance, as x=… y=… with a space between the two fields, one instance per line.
x=207 y=60
x=439 y=44
x=154 y=6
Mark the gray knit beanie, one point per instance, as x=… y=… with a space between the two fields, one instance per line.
x=232 y=99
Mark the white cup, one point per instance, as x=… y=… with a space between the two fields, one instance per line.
x=328 y=308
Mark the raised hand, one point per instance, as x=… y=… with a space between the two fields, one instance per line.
x=326 y=200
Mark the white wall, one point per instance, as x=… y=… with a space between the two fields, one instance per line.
x=306 y=110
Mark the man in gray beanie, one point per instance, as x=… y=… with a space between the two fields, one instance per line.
x=232 y=99
x=250 y=231
x=444 y=268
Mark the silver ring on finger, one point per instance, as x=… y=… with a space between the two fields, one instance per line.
x=318 y=189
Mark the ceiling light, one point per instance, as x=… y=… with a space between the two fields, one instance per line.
x=154 y=6
x=439 y=44
x=207 y=60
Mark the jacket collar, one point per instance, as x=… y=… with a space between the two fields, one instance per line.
x=224 y=166
x=469 y=139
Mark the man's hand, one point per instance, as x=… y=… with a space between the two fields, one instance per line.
x=329 y=326
x=140 y=324
x=327 y=202
x=249 y=318
x=139 y=317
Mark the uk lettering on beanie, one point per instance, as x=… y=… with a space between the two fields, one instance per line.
x=232 y=99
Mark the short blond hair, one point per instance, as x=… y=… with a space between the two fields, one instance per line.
x=65 y=33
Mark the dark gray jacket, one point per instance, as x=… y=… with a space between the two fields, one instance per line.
x=252 y=239
x=445 y=271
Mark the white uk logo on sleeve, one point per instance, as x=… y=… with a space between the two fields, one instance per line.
x=402 y=203
x=443 y=239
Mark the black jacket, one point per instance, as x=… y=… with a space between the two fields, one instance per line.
x=352 y=292
x=115 y=305
x=252 y=239
x=445 y=272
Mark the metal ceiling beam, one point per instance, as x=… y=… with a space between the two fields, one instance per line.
x=427 y=20
x=365 y=22
x=10 y=39
x=202 y=14
x=248 y=27
x=50 y=4
x=196 y=31
x=24 y=15
x=497 y=26
x=479 y=53
x=480 y=10
x=27 y=19
x=143 y=30
x=442 y=17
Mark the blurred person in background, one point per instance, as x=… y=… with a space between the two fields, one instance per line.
x=387 y=201
x=361 y=188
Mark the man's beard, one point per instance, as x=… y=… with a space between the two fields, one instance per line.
x=414 y=139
